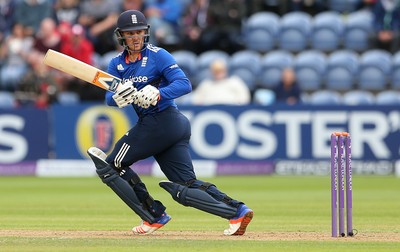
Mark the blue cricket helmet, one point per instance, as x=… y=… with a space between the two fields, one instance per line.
x=131 y=20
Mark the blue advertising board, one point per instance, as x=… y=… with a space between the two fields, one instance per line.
x=288 y=132
x=242 y=133
x=24 y=135
x=286 y=140
x=76 y=128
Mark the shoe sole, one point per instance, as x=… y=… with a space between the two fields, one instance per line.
x=246 y=220
x=153 y=228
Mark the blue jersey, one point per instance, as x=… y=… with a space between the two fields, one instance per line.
x=154 y=66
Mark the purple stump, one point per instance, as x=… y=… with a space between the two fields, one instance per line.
x=349 y=188
x=341 y=182
x=334 y=184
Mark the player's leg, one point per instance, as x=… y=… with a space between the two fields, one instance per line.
x=154 y=207
x=207 y=198
x=183 y=186
x=146 y=139
x=142 y=141
x=134 y=146
x=176 y=163
x=129 y=149
x=129 y=187
x=121 y=187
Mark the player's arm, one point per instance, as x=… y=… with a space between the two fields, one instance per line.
x=111 y=70
x=109 y=100
x=178 y=83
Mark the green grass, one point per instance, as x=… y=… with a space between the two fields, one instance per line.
x=281 y=204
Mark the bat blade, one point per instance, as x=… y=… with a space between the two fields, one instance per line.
x=81 y=70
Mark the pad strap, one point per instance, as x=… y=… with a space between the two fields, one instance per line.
x=154 y=206
x=121 y=187
x=198 y=198
x=205 y=186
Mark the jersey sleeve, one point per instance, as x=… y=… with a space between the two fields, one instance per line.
x=177 y=82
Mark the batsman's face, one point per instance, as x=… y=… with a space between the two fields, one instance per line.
x=134 y=39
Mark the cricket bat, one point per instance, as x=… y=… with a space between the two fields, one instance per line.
x=81 y=70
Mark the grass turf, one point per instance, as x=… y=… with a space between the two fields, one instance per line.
x=282 y=205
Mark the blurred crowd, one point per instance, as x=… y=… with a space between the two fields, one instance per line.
x=85 y=30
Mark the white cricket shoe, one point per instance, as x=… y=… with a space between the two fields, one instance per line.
x=238 y=224
x=147 y=228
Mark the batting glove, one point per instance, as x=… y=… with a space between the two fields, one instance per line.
x=125 y=94
x=147 y=96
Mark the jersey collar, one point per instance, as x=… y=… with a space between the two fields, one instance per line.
x=127 y=58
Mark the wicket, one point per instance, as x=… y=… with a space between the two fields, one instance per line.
x=341 y=169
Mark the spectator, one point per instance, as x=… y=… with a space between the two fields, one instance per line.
x=99 y=17
x=133 y=5
x=279 y=7
x=31 y=13
x=13 y=55
x=64 y=29
x=288 y=90
x=67 y=11
x=86 y=91
x=386 y=23
x=222 y=88
x=38 y=86
x=194 y=23
x=365 y=5
x=164 y=17
x=312 y=7
x=225 y=25
x=254 y=6
x=47 y=37
x=78 y=46
x=7 y=8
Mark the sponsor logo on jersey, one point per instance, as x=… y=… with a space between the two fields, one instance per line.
x=120 y=67
x=137 y=79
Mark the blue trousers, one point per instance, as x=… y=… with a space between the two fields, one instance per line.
x=165 y=136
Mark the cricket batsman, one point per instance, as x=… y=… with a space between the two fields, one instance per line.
x=151 y=80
